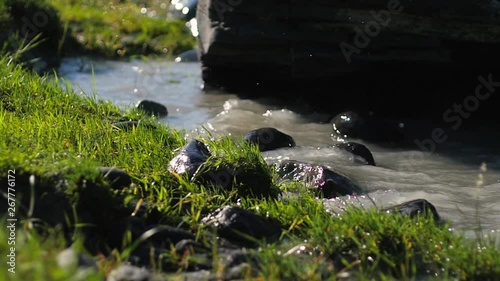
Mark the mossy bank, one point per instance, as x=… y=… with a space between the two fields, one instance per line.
x=90 y=178
x=113 y=29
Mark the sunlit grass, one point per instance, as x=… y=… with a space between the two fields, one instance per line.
x=122 y=28
x=114 y=29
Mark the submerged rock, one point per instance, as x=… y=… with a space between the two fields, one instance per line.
x=414 y=208
x=361 y=153
x=241 y=226
x=269 y=139
x=352 y=125
x=152 y=108
x=321 y=179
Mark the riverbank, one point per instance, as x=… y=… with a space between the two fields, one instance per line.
x=112 y=29
x=57 y=147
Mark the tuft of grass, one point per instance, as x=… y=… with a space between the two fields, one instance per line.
x=124 y=28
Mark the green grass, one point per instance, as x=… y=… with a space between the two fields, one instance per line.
x=60 y=137
x=113 y=29
x=119 y=28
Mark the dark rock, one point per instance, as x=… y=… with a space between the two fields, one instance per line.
x=116 y=177
x=129 y=226
x=190 y=158
x=130 y=125
x=144 y=255
x=269 y=139
x=361 y=153
x=414 y=208
x=402 y=70
x=353 y=125
x=321 y=179
x=152 y=107
x=243 y=227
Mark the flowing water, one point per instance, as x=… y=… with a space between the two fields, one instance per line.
x=448 y=177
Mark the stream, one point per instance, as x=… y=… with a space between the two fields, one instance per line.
x=448 y=177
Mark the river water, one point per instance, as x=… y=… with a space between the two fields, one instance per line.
x=448 y=177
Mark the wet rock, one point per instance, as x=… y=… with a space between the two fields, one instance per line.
x=188 y=56
x=269 y=139
x=117 y=178
x=190 y=158
x=191 y=246
x=152 y=108
x=237 y=264
x=361 y=153
x=130 y=125
x=126 y=272
x=243 y=227
x=205 y=275
x=349 y=124
x=353 y=125
x=414 y=208
x=322 y=180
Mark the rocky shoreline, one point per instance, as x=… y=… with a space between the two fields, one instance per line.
x=103 y=194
